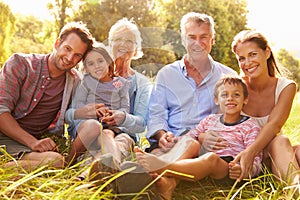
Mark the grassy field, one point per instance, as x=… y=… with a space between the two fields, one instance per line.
x=47 y=183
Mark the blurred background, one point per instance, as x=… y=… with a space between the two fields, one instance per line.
x=31 y=26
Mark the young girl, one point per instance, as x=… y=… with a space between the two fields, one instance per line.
x=236 y=130
x=99 y=86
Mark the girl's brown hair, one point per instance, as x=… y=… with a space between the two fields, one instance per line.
x=100 y=48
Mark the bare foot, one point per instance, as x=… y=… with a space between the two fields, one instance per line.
x=150 y=162
x=166 y=186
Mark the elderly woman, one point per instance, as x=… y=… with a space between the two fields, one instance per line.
x=125 y=45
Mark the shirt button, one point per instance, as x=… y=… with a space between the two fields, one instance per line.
x=48 y=79
x=43 y=86
x=34 y=99
x=43 y=76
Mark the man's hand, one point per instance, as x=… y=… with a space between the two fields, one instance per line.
x=167 y=141
x=211 y=141
x=46 y=144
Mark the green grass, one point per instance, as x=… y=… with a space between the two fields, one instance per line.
x=46 y=183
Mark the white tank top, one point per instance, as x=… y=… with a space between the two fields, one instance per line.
x=281 y=84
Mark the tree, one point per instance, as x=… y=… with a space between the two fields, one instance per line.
x=159 y=22
x=7 y=29
x=101 y=15
x=289 y=62
x=59 y=9
x=229 y=16
x=33 y=35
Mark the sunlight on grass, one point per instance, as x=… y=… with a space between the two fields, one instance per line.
x=292 y=126
x=48 y=183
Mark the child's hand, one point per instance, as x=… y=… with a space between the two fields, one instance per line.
x=235 y=170
x=115 y=118
x=103 y=112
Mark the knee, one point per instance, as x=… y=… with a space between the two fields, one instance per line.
x=55 y=159
x=89 y=126
x=125 y=139
x=280 y=142
x=190 y=144
x=212 y=158
x=108 y=133
x=297 y=149
x=195 y=146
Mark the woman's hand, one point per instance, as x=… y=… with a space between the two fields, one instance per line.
x=103 y=112
x=211 y=141
x=246 y=159
x=115 y=118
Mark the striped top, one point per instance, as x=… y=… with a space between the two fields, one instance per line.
x=238 y=136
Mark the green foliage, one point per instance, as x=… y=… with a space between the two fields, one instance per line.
x=60 y=9
x=289 y=62
x=150 y=65
x=101 y=15
x=7 y=29
x=159 y=23
x=229 y=16
x=292 y=126
x=33 y=35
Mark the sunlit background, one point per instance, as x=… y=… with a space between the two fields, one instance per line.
x=278 y=20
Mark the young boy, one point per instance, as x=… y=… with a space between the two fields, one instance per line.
x=232 y=131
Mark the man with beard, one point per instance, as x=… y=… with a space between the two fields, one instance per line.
x=35 y=92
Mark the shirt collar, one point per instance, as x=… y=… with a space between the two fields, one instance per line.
x=183 y=67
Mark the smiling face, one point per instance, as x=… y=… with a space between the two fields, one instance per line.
x=68 y=53
x=252 y=59
x=96 y=66
x=198 y=39
x=230 y=98
x=123 y=44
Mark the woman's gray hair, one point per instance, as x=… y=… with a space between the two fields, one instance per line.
x=127 y=25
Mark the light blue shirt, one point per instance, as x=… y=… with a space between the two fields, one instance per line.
x=177 y=103
x=139 y=93
x=135 y=121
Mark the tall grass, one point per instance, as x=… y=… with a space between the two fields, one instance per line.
x=47 y=183
x=262 y=187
